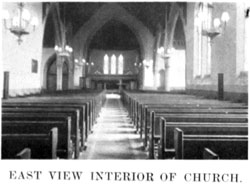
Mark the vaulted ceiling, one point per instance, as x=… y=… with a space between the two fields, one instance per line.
x=151 y=14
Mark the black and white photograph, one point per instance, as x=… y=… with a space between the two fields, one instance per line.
x=124 y=92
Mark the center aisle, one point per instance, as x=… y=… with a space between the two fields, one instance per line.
x=114 y=136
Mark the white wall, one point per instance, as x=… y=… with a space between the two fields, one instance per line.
x=17 y=58
x=177 y=75
x=226 y=53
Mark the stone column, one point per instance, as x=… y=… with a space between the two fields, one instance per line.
x=120 y=85
x=6 y=85
x=167 y=67
x=71 y=68
x=59 y=73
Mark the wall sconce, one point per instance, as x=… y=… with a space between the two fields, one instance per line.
x=92 y=63
x=80 y=62
x=77 y=63
x=19 y=23
x=147 y=63
x=64 y=50
x=219 y=25
x=137 y=64
x=164 y=55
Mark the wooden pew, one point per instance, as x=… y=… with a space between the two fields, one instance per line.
x=85 y=116
x=24 y=154
x=189 y=110
x=135 y=101
x=138 y=105
x=190 y=117
x=154 y=129
x=227 y=146
x=43 y=146
x=73 y=113
x=166 y=141
x=209 y=154
x=35 y=123
x=91 y=100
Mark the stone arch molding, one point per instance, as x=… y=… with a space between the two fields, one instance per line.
x=113 y=11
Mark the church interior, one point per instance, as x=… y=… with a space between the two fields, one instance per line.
x=125 y=80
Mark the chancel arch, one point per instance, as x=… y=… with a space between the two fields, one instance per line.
x=108 y=12
x=113 y=50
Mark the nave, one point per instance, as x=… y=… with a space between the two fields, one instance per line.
x=134 y=125
x=180 y=68
x=114 y=135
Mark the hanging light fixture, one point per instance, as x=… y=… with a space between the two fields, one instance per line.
x=19 y=23
x=219 y=25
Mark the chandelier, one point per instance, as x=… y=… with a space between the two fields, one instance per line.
x=64 y=50
x=19 y=23
x=219 y=25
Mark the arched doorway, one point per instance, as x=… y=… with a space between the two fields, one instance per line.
x=51 y=76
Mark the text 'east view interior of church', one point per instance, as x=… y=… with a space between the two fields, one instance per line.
x=125 y=80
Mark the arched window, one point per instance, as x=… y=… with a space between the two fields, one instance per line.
x=113 y=64
x=120 y=64
x=202 y=61
x=106 y=64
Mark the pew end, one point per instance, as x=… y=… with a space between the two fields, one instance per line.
x=208 y=154
x=24 y=154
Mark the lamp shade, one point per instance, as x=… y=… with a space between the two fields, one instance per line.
x=34 y=21
x=216 y=23
x=15 y=21
x=225 y=17
x=26 y=15
x=5 y=14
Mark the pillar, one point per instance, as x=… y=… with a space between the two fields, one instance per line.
x=70 y=73
x=59 y=73
x=120 y=85
x=6 y=85
x=220 y=86
x=167 y=87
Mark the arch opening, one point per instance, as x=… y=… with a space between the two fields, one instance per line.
x=51 y=75
x=177 y=72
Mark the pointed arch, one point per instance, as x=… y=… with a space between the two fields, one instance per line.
x=106 y=13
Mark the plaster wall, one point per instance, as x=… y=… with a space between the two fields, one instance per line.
x=17 y=58
x=226 y=51
x=129 y=58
